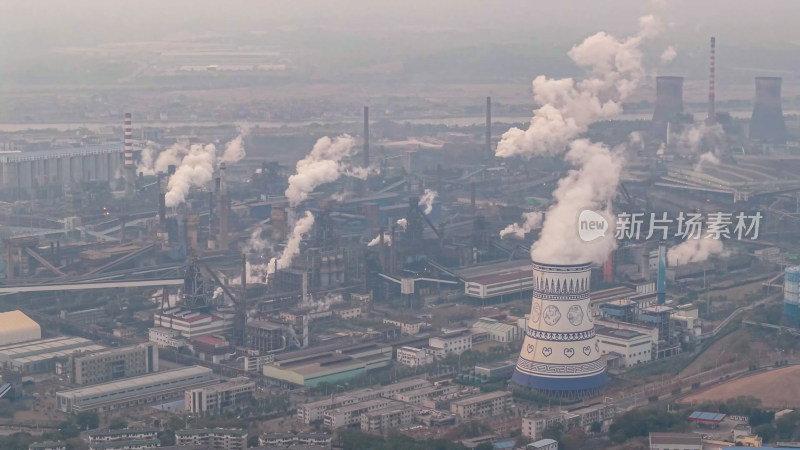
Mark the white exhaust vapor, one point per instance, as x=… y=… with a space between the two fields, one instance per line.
x=301 y=228
x=324 y=164
x=567 y=109
x=402 y=224
x=387 y=240
x=196 y=170
x=530 y=221
x=427 y=199
x=694 y=250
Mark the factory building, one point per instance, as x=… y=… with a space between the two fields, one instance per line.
x=481 y=406
x=497 y=331
x=191 y=323
x=213 y=438
x=16 y=327
x=413 y=356
x=219 y=397
x=265 y=336
x=137 y=391
x=560 y=355
x=328 y=366
x=113 y=364
x=450 y=341
x=63 y=166
x=41 y=356
x=497 y=279
x=631 y=347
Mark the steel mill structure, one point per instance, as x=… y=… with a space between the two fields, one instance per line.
x=669 y=99
x=767 y=124
x=560 y=356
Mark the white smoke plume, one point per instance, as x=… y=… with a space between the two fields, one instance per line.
x=694 y=137
x=591 y=185
x=530 y=220
x=427 y=199
x=694 y=250
x=234 y=150
x=402 y=224
x=301 y=228
x=362 y=173
x=706 y=158
x=325 y=303
x=196 y=170
x=257 y=243
x=340 y=196
x=669 y=54
x=387 y=240
x=147 y=160
x=323 y=165
x=569 y=107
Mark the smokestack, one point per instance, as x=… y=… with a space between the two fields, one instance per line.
x=212 y=241
x=130 y=170
x=669 y=99
x=767 y=124
x=472 y=197
x=489 y=126
x=661 y=281
x=242 y=303
x=712 y=66
x=222 y=209
x=162 y=212
x=366 y=136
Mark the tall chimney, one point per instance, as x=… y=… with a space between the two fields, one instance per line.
x=767 y=124
x=489 y=126
x=661 y=281
x=129 y=170
x=223 y=208
x=242 y=303
x=472 y=197
x=712 y=66
x=366 y=136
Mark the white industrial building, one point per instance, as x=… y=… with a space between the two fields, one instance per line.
x=39 y=356
x=136 y=391
x=451 y=341
x=632 y=347
x=192 y=324
x=413 y=356
x=219 y=397
x=497 y=331
x=16 y=327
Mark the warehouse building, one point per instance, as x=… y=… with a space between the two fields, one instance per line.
x=41 y=356
x=219 y=397
x=137 y=391
x=497 y=279
x=16 y=327
x=310 y=369
x=113 y=364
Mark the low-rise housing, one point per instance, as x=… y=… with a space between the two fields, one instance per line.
x=481 y=406
x=414 y=356
x=216 y=398
x=213 y=438
x=395 y=416
x=451 y=341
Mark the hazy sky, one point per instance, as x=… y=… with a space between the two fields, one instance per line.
x=30 y=29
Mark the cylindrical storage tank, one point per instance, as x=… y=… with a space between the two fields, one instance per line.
x=767 y=124
x=791 y=293
x=560 y=356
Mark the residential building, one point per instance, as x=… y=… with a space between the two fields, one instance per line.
x=395 y=416
x=87 y=368
x=351 y=414
x=347 y=312
x=254 y=363
x=413 y=356
x=418 y=396
x=123 y=439
x=48 y=445
x=213 y=438
x=673 y=441
x=85 y=317
x=406 y=328
x=481 y=406
x=293 y=440
x=451 y=341
x=543 y=444
x=219 y=397
x=583 y=417
x=497 y=331
x=632 y=347
x=166 y=337
x=136 y=391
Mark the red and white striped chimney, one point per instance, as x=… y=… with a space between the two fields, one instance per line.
x=128 y=141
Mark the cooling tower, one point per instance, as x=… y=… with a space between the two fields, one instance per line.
x=560 y=356
x=669 y=99
x=767 y=123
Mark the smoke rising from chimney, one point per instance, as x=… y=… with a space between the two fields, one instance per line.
x=669 y=55
x=402 y=223
x=530 y=220
x=569 y=107
x=694 y=250
x=387 y=240
x=324 y=164
x=301 y=228
x=427 y=199
x=196 y=170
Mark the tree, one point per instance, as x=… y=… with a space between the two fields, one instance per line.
x=766 y=431
x=596 y=427
x=554 y=432
x=167 y=438
x=76 y=443
x=88 y=420
x=117 y=423
x=252 y=440
x=573 y=439
x=485 y=446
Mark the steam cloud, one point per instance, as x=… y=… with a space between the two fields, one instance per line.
x=196 y=170
x=427 y=200
x=694 y=250
x=325 y=303
x=324 y=164
x=292 y=249
x=668 y=55
x=387 y=240
x=567 y=109
x=402 y=223
x=530 y=220
x=706 y=158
